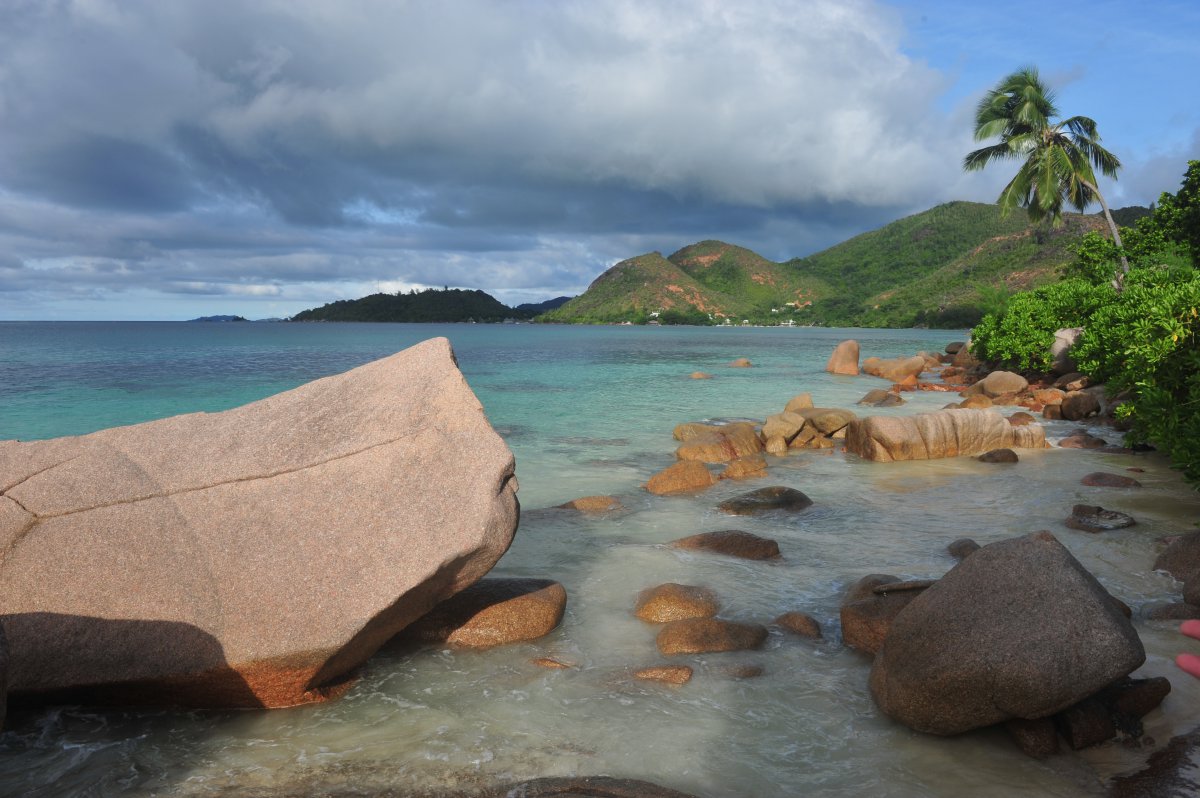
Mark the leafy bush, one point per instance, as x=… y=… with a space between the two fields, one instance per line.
x=1147 y=343
x=1021 y=335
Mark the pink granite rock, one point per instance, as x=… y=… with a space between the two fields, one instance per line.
x=252 y=557
x=844 y=359
x=946 y=433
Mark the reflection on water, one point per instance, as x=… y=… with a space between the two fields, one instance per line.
x=435 y=721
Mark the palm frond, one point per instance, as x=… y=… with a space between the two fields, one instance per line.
x=978 y=159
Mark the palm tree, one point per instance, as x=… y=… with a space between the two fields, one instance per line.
x=1059 y=154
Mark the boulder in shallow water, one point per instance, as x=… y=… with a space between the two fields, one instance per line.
x=1091 y=518
x=801 y=401
x=963 y=547
x=593 y=505
x=999 y=456
x=731 y=542
x=844 y=359
x=1181 y=557
x=1078 y=405
x=776 y=498
x=946 y=433
x=667 y=674
x=720 y=444
x=1017 y=630
x=1105 y=479
x=800 y=624
x=674 y=602
x=682 y=477
x=709 y=635
x=754 y=465
x=493 y=612
x=999 y=383
x=251 y=557
x=867 y=616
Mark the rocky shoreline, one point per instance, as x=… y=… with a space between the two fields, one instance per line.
x=1018 y=634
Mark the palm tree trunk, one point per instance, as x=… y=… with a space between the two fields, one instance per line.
x=1112 y=226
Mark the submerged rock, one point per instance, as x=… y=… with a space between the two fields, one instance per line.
x=961 y=548
x=1081 y=440
x=709 y=635
x=799 y=623
x=493 y=612
x=583 y=787
x=593 y=505
x=998 y=456
x=731 y=542
x=741 y=363
x=1078 y=405
x=927 y=436
x=668 y=674
x=754 y=465
x=765 y=500
x=1104 y=479
x=1017 y=630
x=251 y=557
x=681 y=477
x=719 y=444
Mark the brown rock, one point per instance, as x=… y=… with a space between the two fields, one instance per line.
x=963 y=359
x=721 y=443
x=1052 y=412
x=552 y=664
x=873 y=397
x=746 y=467
x=928 y=436
x=731 y=542
x=777 y=446
x=961 y=548
x=493 y=612
x=746 y=670
x=804 y=438
x=976 y=401
x=1169 y=773
x=799 y=623
x=827 y=420
x=1036 y=738
x=1078 y=405
x=765 y=500
x=1072 y=381
x=672 y=602
x=867 y=616
x=709 y=635
x=784 y=425
x=801 y=401
x=844 y=359
x=998 y=456
x=1191 y=589
x=1103 y=479
x=253 y=555
x=1181 y=557
x=1086 y=724
x=1049 y=396
x=896 y=370
x=1136 y=698
x=999 y=383
x=681 y=477
x=693 y=429
x=594 y=505
x=1021 y=419
x=741 y=363
x=700 y=375
x=1091 y=518
x=668 y=674
x=954 y=347
x=1081 y=440
x=1017 y=630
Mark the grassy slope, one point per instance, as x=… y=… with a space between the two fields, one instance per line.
x=756 y=281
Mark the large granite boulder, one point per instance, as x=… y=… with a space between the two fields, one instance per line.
x=999 y=383
x=895 y=370
x=681 y=477
x=844 y=359
x=251 y=557
x=1061 y=361
x=1017 y=630
x=719 y=444
x=946 y=433
x=1181 y=557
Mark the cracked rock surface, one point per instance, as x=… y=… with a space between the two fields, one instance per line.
x=252 y=557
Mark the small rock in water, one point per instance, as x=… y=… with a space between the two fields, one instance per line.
x=552 y=663
x=493 y=612
x=799 y=623
x=674 y=602
x=1181 y=557
x=682 y=477
x=742 y=671
x=669 y=674
x=700 y=375
x=1021 y=419
x=741 y=363
x=867 y=616
x=1103 y=479
x=765 y=500
x=998 y=456
x=709 y=635
x=1091 y=518
x=732 y=542
x=592 y=505
x=961 y=548
x=749 y=467
x=1081 y=440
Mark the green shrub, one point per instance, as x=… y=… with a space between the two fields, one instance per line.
x=1021 y=335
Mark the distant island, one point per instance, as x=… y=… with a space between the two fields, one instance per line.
x=945 y=267
x=220 y=318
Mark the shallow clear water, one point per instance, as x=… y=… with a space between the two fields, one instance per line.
x=588 y=411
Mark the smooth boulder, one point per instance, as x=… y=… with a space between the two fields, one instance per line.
x=1017 y=630
x=776 y=498
x=682 y=477
x=945 y=433
x=999 y=383
x=718 y=444
x=844 y=359
x=252 y=557
x=732 y=543
x=493 y=612
x=675 y=602
x=709 y=635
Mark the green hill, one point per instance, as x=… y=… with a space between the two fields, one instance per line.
x=430 y=305
x=942 y=267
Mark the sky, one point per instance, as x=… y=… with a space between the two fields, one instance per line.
x=168 y=160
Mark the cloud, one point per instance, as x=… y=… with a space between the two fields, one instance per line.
x=307 y=148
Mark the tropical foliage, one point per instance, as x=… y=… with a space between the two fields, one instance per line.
x=430 y=305
x=1143 y=342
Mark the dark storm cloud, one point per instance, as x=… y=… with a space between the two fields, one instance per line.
x=316 y=148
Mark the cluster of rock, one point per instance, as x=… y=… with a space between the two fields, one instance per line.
x=383 y=491
x=1018 y=633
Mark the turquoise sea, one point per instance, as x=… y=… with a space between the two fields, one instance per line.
x=589 y=410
